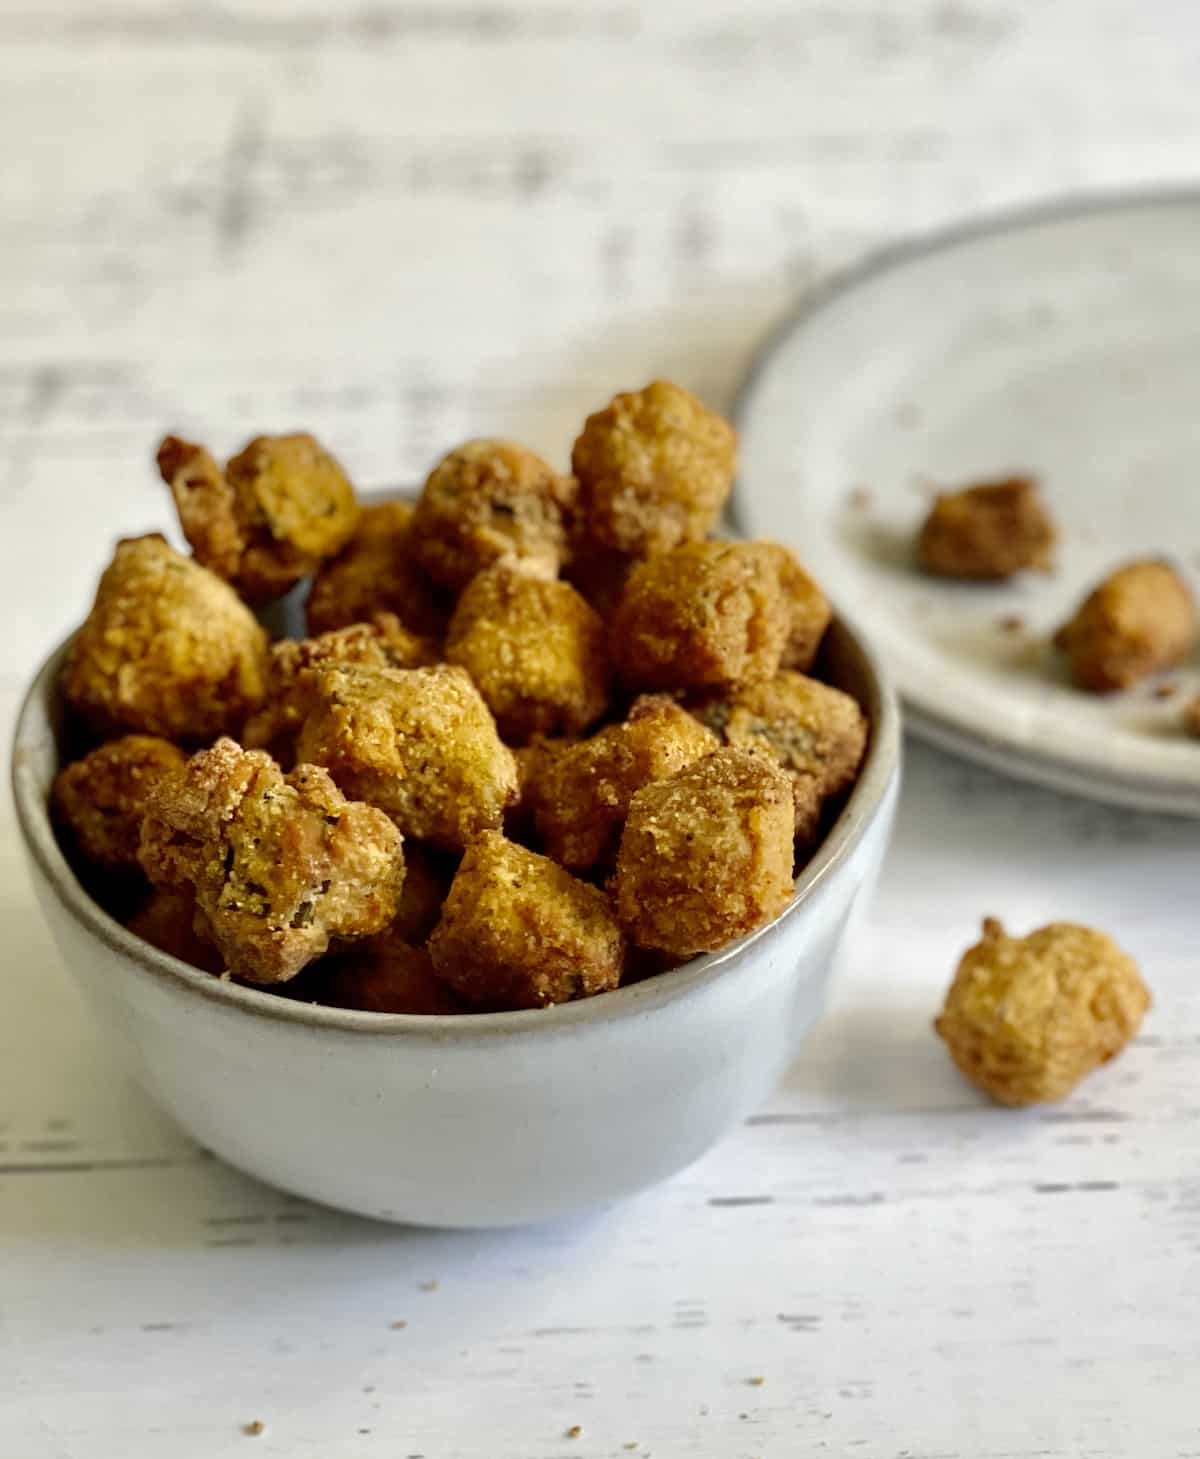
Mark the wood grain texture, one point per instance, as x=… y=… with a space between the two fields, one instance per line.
x=399 y=224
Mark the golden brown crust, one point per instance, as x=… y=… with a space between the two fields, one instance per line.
x=987 y=532
x=279 y=865
x=654 y=469
x=518 y=931
x=491 y=501
x=281 y=505
x=1191 y=716
x=706 y=855
x=375 y=572
x=100 y=800
x=1140 y=619
x=706 y=614
x=1026 y=1018
x=809 y=612
x=168 y=649
x=535 y=650
x=170 y=921
x=533 y=764
x=581 y=795
x=386 y=974
x=419 y=743
x=382 y=642
x=815 y=733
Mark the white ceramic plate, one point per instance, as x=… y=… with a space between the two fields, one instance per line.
x=1064 y=342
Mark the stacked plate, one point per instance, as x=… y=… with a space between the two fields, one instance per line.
x=1063 y=343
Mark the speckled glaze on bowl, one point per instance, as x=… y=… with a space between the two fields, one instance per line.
x=483 y=1120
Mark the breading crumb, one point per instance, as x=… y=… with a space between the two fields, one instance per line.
x=574 y=1431
x=756 y=1382
x=398 y=1326
x=254 y=1428
x=1011 y=623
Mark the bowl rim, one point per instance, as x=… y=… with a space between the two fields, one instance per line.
x=876 y=778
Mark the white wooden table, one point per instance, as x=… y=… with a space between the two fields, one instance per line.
x=398 y=224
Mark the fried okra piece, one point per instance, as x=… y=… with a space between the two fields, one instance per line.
x=706 y=855
x=382 y=642
x=168 y=649
x=1026 y=1018
x=279 y=864
x=533 y=765
x=386 y=974
x=987 y=532
x=703 y=615
x=280 y=506
x=169 y=920
x=582 y=797
x=1140 y=619
x=419 y=743
x=488 y=502
x=655 y=467
x=518 y=931
x=375 y=572
x=808 y=610
x=99 y=801
x=535 y=650
x=813 y=732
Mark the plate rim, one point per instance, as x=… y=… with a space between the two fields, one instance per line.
x=888 y=256
x=1022 y=762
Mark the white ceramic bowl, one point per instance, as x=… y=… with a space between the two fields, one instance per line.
x=483 y=1120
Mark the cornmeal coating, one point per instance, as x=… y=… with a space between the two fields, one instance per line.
x=169 y=920
x=385 y=974
x=706 y=855
x=1140 y=619
x=654 y=469
x=518 y=931
x=100 y=800
x=492 y=501
x=280 y=506
x=279 y=864
x=382 y=642
x=987 y=532
x=582 y=796
x=375 y=572
x=419 y=743
x=704 y=614
x=536 y=652
x=168 y=649
x=1027 y=1017
x=808 y=610
x=815 y=733
x=533 y=765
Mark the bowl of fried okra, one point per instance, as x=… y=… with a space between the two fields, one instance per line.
x=511 y=873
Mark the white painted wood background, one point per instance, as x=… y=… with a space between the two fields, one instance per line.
x=398 y=224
